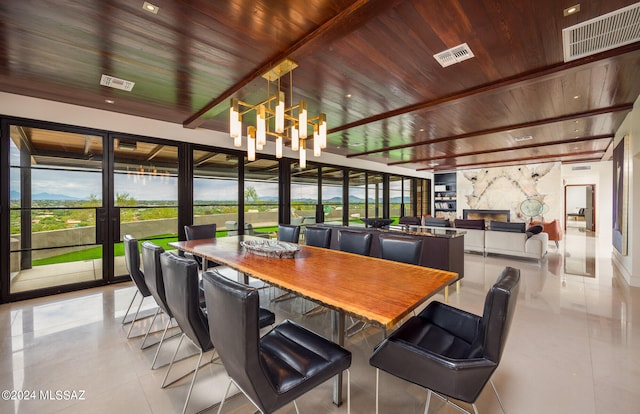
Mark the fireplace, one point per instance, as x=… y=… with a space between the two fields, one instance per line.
x=487 y=215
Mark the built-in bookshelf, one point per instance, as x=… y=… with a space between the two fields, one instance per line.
x=444 y=195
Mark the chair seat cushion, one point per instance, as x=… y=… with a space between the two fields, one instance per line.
x=430 y=337
x=292 y=355
x=266 y=317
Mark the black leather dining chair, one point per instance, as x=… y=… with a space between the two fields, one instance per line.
x=273 y=370
x=289 y=233
x=449 y=351
x=199 y=232
x=400 y=249
x=153 y=276
x=318 y=237
x=358 y=242
x=132 y=262
x=180 y=275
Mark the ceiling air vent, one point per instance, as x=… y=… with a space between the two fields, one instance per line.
x=117 y=83
x=615 y=29
x=454 y=55
x=581 y=168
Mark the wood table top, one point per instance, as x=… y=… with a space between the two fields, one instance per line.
x=377 y=290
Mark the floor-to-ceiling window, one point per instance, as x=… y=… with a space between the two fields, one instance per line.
x=304 y=193
x=357 y=196
x=375 y=197
x=261 y=195
x=74 y=192
x=401 y=196
x=215 y=189
x=55 y=214
x=332 y=194
x=145 y=199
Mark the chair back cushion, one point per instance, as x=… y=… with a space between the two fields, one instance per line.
x=200 y=231
x=289 y=233
x=510 y=227
x=358 y=242
x=233 y=322
x=410 y=220
x=153 y=273
x=400 y=249
x=498 y=313
x=469 y=224
x=183 y=297
x=435 y=222
x=132 y=261
x=318 y=237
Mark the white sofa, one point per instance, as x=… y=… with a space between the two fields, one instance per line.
x=473 y=240
x=516 y=244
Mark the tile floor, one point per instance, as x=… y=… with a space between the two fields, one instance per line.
x=573 y=348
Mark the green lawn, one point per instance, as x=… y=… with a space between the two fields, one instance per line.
x=96 y=252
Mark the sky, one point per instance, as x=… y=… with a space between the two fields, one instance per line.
x=82 y=184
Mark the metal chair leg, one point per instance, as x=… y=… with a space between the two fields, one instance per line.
x=296 y=407
x=135 y=295
x=226 y=393
x=426 y=405
x=155 y=315
x=160 y=343
x=377 y=387
x=171 y=363
x=497 y=396
x=134 y=318
x=193 y=380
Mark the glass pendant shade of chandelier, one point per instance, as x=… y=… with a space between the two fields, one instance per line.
x=274 y=118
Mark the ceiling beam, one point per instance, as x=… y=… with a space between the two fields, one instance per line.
x=599 y=111
x=196 y=119
x=533 y=158
x=493 y=151
x=506 y=82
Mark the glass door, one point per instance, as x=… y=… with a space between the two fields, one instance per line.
x=56 y=214
x=145 y=194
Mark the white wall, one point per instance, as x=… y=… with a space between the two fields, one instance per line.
x=43 y=110
x=599 y=174
x=629 y=265
x=575 y=198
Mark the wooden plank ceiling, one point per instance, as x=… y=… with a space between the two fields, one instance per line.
x=367 y=64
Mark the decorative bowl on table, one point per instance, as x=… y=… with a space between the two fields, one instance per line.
x=376 y=222
x=271 y=248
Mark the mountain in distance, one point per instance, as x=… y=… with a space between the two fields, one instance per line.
x=14 y=195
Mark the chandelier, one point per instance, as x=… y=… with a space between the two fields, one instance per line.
x=287 y=124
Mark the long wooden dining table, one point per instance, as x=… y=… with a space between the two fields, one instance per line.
x=378 y=291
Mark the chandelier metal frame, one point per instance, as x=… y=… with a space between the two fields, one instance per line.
x=274 y=118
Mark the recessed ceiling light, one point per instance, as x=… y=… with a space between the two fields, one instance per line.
x=576 y=97
x=571 y=10
x=110 y=101
x=152 y=8
x=433 y=164
x=421 y=130
x=348 y=95
x=523 y=138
